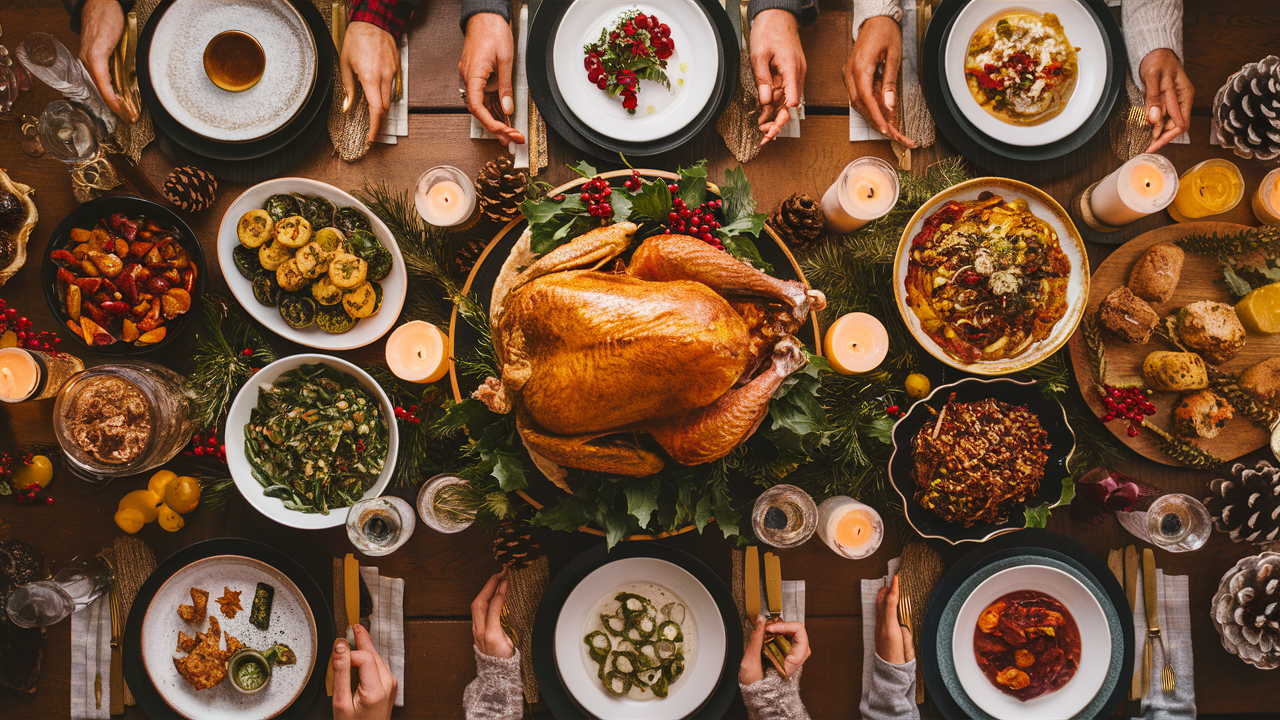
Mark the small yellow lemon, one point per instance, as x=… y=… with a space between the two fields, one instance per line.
x=183 y=494
x=145 y=502
x=38 y=472
x=129 y=520
x=170 y=520
x=917 y=385
x=160 y=481
x=8 y=339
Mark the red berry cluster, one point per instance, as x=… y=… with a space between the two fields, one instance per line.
x=1128 y=403
x=408 y=416
x=21 y=326
x=640 y=38
x=595 y=194
x=699 y=222
x=207 y=446
x=31 y=494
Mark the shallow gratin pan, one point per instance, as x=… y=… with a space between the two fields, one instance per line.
x=1042 y=206
x=1053 y=418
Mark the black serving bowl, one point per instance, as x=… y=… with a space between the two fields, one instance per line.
x=87 y=216
x=1062 y=441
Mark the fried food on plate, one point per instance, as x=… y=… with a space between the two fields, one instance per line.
x=230 y=602
x=193 y=614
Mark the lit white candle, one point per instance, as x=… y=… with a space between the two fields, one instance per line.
x=1144 y=185
x=856 y=343
x=850 y=528
x=418 y=352
x=444 y=196
x=19 y=375
x=1266 y=201
x=866 y=189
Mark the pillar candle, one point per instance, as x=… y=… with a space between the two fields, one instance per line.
x=856 y=343
x=444 y=196
x=1266 y=201
x=1209 y=188
x=850 y=528
x=1144 y=185
x=418 y=352
x=20 y=374
x=865 y=190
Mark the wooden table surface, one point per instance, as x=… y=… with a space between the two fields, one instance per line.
x=443 y=573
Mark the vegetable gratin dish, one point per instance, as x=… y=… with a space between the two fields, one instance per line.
x=987 y=278
x=1021 y=68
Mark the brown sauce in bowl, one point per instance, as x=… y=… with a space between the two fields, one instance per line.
x=234 y=61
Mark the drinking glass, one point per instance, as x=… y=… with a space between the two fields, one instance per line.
x=379 y=526
x=48 y=602
x=1178 y=523
x=446 y=504
x=784 y=516
x=50 y=61
x=67 y=132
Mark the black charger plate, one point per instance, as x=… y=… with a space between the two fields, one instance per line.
x=86 y=216
x=557 y=115
x=1029 y=163
x=552 y=688
x=1014 y=392
x=228 y=152
x=135 y=672
x=1029 y=542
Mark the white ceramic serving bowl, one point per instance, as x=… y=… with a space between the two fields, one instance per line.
x=1082 y=31
x=1095 y=645
x=1043 y=207
x=238 y=465
x=695 y=50
x=292 y=623
x=702 y=621
x=394 y=286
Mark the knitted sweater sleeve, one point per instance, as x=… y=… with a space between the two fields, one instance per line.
x=1150 y=25
x=892 y=695
x=774 y=698
x=864 y=10
x=496 y=693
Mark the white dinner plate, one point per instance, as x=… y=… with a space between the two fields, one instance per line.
x=292 y=623
x=705 y=643
x=394 y=286
x=1082 y=31
x=1095 y=645
x=238 y=465
x=184 y=89
x=692 y=69
x=1042 y=206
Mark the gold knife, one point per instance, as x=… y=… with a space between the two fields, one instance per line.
x=751 y=584
x=1153 y=612
x=1115 y=562
x=116 y=674
x=1136 y=688
x=773 y=583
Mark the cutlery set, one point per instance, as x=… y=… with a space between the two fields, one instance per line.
x=1127 y=569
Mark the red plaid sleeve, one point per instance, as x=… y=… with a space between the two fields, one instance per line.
x=390 y=15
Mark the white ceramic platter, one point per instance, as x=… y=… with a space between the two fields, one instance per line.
x=394 y=286
x=185 y=90
x=238 y=465
x=692 y=69
x=703 y=628
x=1081 y=30
x=1043 y=207
x=1095 y=645
x=292 y=623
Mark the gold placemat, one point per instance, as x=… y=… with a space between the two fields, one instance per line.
x=1130 y=131
x=736 y=558
x=525 y=587
x=133 y=562
x=918 y=572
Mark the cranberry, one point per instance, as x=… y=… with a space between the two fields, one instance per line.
x=606 y=209
x=591 y=62
x=708 y=237
x=664 y=30
x=686 y=213
x=673 y=188
x=672 y=217
x=594 y=75
x=641 y=22
x=602 y=83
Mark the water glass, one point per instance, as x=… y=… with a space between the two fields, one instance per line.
x=1178 y=523
x=380 y=525
x=784 y=516
x=50 y=61
x=48 y=602
x=67 y=132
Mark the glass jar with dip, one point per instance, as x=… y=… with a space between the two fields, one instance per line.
x=122 y=419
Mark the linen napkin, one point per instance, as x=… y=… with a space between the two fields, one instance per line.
x=1175 y=628
x=859 y=127
x=793 y=596
x=871 y=588
x=396 y=123
x=386 y=624
x=91 y=660
x=520 y=96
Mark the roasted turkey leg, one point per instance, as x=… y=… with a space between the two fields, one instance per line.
x=583 y=452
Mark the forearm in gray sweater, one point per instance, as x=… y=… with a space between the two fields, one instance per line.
x=866 y=9
x=496 y=693
x=1150 y=25
x=892 y=695
x=774 y=698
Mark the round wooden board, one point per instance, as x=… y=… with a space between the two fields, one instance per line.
x=1201 y=280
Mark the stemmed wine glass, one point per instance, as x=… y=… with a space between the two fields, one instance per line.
x=48 y=602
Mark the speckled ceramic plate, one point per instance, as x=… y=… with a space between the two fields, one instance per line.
x=177 y=72
x=292 y=623
x=1102 y=640
x=1043 y=207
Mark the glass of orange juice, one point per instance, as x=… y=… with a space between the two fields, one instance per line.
x=1209 y=188
x=850 y=528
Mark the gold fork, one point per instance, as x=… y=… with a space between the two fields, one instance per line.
x=1167 y=680
x=505 y=621
x=904 y=610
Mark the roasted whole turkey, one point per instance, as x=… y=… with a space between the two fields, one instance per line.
x=685 y=345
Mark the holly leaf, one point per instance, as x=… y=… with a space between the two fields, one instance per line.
x=583 y=168
x=1068 y=491
x=702 y=513
x=642 y=501
x=620 y=201
x=735 y=191
x=881 y=429
x=1236 y=284
x=615 y=528
x=1037 y=517
x=653 y=201
x=741 y=247
x=693 y=184
x=508 y=470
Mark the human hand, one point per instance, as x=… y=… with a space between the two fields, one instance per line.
x=752 y=668
x=1169 y=95
x=489 y=49
x=376 y=694
x=879 y=41
x=779 y=66
x=102 y=24
x=369 y=53
x=893 y=640
x=486 y=618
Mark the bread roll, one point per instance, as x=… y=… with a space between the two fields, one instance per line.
x=1212 y=329
x=1201 y=414
x=1177 y=371
x=1127 y=316
x=1156 y=274
x=1262 y=381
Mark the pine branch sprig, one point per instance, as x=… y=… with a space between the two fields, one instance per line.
x=221 y=365
x=1232 y=245
x=1183 y=451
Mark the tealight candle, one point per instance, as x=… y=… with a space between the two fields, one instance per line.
x=1266 y=201
x=850 y=528
x=1144 y=185
x=856 y=343
x=444 y=196
x=31 y=375
x=866 y=189
x=1209 y=188
x=418 y=352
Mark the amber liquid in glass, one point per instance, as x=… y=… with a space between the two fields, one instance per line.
x=234 y=61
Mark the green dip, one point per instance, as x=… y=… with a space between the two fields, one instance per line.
x=250 y=674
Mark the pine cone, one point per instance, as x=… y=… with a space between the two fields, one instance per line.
x=500 y=190
x=514 y=545
x=468 y=253
x=1247 y=504
x=1247 y=109
x=190 y=188
x=1246 y=610
x=798 y=220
